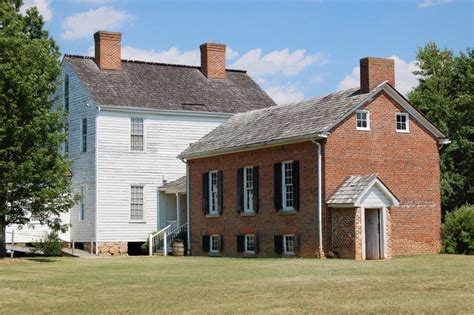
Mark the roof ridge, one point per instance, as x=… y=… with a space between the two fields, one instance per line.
x=297 y=103
x=153 y=63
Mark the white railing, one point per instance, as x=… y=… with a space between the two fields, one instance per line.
x=154 y=240
x=164 y=237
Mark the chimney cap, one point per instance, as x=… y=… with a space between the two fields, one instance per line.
x=109 y=34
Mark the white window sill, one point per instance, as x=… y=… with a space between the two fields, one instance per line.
x=287 y=212
x=248 y=214
x=137 y=221
x=213 y=215
x=403 y=131
x=363 y=129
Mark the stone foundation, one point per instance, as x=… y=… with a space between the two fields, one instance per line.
x=113 y=249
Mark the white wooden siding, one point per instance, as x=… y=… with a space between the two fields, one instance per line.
x=118 y=167
x=375 y=198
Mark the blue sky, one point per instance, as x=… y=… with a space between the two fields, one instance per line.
x=294 y=49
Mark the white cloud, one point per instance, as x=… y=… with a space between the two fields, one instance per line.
x=283 y=61
x=430 y=3
x=83 y=24
x=285 y=94
x=43 y=7
x=405 y=80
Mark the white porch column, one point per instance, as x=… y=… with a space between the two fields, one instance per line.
x=178 y=209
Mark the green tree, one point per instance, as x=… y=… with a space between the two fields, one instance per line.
x=446 y=96
x=33 y=173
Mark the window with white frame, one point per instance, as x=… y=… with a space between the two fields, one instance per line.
x=82 y=209
x=362 y=120
x=136 y=134
x=213 y=193
x=84 y=135
x=136 y=203
x=250 y=244
x=288 y=244
x=287 y=185
x=248 y=189
x=402 y=122
x=214 y=246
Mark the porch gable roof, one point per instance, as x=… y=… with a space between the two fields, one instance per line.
x=354 y=188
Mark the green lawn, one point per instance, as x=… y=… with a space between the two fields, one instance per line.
x=428 y=284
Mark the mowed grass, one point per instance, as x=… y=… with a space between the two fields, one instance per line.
x=410 y=284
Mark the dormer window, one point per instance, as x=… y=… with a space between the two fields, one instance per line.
x=362 y=120
x=402 y=122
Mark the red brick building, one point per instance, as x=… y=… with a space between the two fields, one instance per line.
x=353 y=174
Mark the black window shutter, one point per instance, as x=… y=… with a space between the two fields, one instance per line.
x=220 y=191
x=257 y=243
x=205 y=243
x=240 y=190
x=221 y=243
x=277 y=186
x=296 y=185
x=278 y=244
x=240 y=243
x=205 y=193
x=297 y=244
x=255 y=189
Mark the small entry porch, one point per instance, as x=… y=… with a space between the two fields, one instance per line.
x=360 y=211
x=172 y=216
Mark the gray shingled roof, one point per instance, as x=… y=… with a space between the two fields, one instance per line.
x=176 y=183
x=169 y=87
x=306 y=118
x=351 y=189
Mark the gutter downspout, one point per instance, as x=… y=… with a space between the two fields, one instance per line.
x=320 y=203
x=188 y=232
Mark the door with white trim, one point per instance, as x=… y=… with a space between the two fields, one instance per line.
x=372 y=234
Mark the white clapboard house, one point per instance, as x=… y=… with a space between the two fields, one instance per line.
x=128 y=121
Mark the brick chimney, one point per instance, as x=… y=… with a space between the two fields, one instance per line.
x=213 y=60
x=374 y=71
x=108 y=50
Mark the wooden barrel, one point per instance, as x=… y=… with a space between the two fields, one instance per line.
x=178 y=248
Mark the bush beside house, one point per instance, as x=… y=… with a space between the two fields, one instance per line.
x=458 y=231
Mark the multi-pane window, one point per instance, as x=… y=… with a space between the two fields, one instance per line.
x=288 y=244
x=250 y=244
x=82 y=210
x=213 y=193
x=136 y=203
x=66 y=92
x=136 y=134
x=402 y=122
x=363 y=120
x=248 y=189
x=84 y=135
x=214 y=241
x=287 y=185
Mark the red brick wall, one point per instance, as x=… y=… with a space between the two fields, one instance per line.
x=267 y=222
x=408 y=163
x=108 y=50
x=213 y=60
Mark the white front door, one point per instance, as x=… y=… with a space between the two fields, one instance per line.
x=372 y=234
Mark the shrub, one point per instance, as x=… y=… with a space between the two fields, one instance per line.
x=50 y=245
x=458 y=231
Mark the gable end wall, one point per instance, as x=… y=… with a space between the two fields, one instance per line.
x=408 y=163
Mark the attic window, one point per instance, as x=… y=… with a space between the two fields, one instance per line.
x=402 y=122
x=362 y=120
